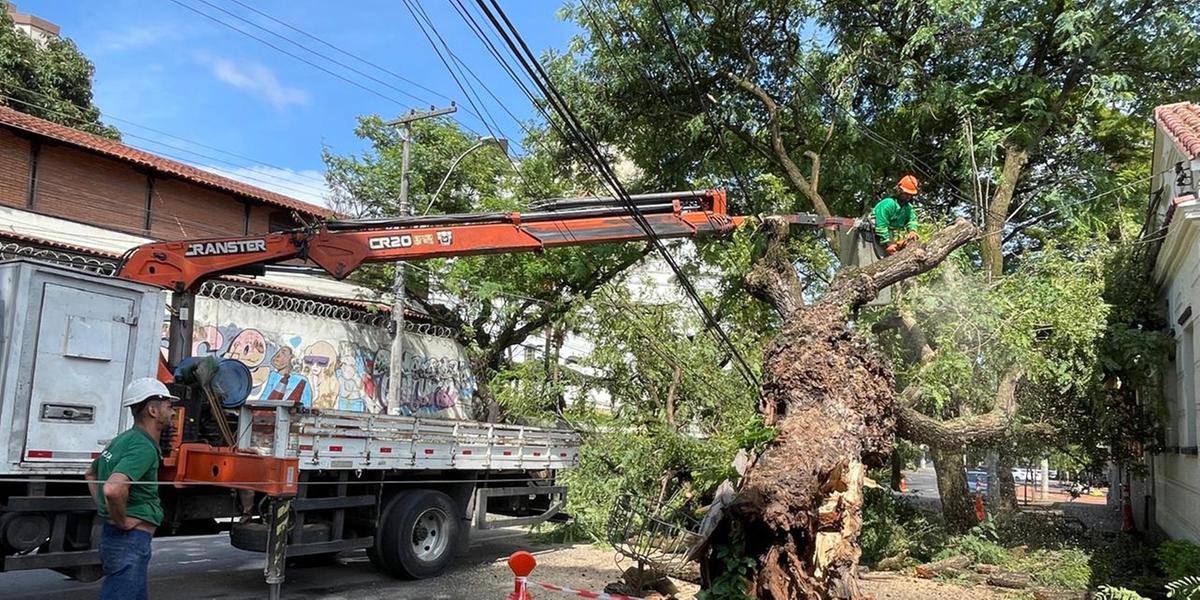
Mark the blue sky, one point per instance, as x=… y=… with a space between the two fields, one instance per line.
x=164 y=67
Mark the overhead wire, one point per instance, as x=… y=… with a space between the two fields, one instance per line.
x=419 y=15
x=592 y=154
x=277 y=183
x=339 y=50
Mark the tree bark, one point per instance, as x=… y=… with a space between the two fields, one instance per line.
x=957 y=506
x=897 y=471
x=992 y=247
x=1005 y=493
x=829 y=394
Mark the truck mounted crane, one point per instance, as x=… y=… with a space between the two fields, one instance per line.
x=392 y=484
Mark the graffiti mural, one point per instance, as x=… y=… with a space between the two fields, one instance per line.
x=329 y=364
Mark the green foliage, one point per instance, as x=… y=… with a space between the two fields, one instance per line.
x=892 y=527
x=1069 y=568
x=1107 y=592
x=733 y=578
x=1179 y=559
x=1126 y=562
x=1187 y=588
x=50 y=80
x=981 y=545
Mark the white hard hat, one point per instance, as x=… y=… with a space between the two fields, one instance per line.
x=143 y=388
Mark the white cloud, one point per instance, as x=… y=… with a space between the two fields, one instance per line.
x=136 y=37
x=259 y=80
x=304 y=184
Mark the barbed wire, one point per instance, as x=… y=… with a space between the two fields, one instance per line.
x=242 y=294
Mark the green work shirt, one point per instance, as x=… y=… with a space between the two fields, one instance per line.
x=893 y=220
x=134 y=454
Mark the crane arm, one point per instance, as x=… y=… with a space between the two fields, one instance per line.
x=340 y=247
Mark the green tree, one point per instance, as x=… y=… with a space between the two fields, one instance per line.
x=50 y=80
x=492 y=303
x=1030 y=118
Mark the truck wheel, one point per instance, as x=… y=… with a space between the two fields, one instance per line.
x=416 y=535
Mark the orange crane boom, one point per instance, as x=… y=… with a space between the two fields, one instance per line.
x=340 y=247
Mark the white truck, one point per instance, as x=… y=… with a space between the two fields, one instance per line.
x=408 y=489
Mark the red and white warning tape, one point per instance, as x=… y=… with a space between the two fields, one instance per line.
x=581 y=593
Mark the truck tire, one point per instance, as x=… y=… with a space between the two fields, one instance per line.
x=416 y=535
x=253 y=536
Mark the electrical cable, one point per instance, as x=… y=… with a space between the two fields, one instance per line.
x=592 y=154
x=278 y=183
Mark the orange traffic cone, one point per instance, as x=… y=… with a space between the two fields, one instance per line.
x=980 y=513
x=903 y=485
x=1128 y=525
x=522 y=564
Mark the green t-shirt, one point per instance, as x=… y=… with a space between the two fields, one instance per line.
x=893 y=220
x=136 y=455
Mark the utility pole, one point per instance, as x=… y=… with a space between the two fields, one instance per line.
x=395 y=368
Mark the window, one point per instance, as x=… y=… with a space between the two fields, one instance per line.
x=1189 y=400
x=1188 y=361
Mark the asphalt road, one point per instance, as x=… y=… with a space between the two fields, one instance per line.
x=186 y=568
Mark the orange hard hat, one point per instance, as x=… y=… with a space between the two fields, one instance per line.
x=908 y=185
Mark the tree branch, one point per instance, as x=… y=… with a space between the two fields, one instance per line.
x=773 y=278
x=780 y=152
x=988 y=429
x=853 y=288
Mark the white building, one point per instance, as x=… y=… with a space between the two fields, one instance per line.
x=1175 y=219
x=33 y=26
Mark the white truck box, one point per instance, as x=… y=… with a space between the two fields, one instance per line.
x=69 y=343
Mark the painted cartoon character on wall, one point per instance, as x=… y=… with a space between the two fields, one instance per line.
x=320 y=359
x=350 y=371
x=206 y=340
x=379 y=381
x=250 y=347
x=284 y=385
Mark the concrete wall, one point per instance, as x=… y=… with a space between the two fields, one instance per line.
x=1177 y=470
x=1177 y=489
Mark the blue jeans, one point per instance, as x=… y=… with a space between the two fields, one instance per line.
x=124 y=556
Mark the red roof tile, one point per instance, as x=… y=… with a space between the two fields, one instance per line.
x=1182 y=122
x=94 y=143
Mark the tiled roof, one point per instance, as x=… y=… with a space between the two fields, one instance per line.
x=1182 y=122
x=94 y=143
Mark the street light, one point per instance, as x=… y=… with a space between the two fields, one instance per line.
x=483 y=141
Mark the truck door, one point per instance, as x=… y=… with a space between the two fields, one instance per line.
x=79 y=373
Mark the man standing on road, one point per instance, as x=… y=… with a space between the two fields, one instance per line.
x=895 y=218
x=124 y=482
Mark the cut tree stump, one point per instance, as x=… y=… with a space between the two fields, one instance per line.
x=1009 y=580
x=953 y=564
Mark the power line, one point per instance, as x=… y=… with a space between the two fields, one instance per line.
x=595 y=157
x=339 y=50
x=467 y=91
x=276 y=183
x=295 y=56
x=107 y=115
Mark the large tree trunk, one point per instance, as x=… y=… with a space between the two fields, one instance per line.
x=957 y=506
x=830 y=395
x=1005 y=494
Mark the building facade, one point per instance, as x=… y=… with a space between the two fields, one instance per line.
x=80 y=199
x=1173 y=487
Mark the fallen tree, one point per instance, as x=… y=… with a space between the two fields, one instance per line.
x=829 y=394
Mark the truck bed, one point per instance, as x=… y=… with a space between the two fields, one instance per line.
x=330 y=440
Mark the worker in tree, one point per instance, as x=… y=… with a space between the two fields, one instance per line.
x=895 y=218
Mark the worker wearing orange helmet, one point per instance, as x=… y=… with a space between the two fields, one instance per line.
x=895 y=218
